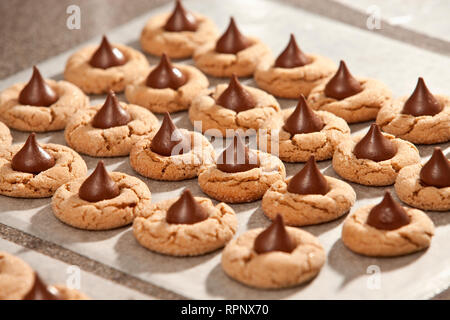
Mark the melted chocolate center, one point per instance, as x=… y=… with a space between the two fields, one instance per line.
x=181 y=20
x=31 y=158
x=237 y=157
x=274 y=238
x=232 y=41
x=111 y=114
x=375 y=146
x=388 y=215
x=422 y=102
x=436 y=172
x=236 y=97
x=165 y=75
x=342 y=84
x=37 y=92
x=107 y=56
x=168 y=138
x=186 y=210
x=309 y=180
x=292 y=56
x=303 y=119
x=99 y=185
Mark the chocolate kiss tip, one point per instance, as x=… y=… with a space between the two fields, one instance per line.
x=235 y=97
x=37 y=92
x=99 y=185
x=32 y=158
x=181 y=20
x=309 y=180
x=232 y=40
x=303 y=119
x=375 y=146
x=436 y=171
x=40 y=291
x=242 y=159
x=107 y=56
x=342 y=85
x=168 y=137
x=422 y=102
x=186 y=210
x=388 y=214
x=165 y=75
x=292 y=56
x=274 y=238
x=111 y=114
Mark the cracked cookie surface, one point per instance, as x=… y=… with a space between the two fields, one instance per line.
x=302 y=210
x=134 y=200
x=97 y=80
x=168 y=99
x=17 y=279
x=68 y=166
x=421 y=129
x=244 y=186
x=154 y=233
x=155 y=40
x=175 y=167
x=364 y=239
x=372 y=173
x=111 y=142
x=299 y=147
x=273 y=270
x=411 y=191
x=293 y=82
x=41 y=119
x=5 y=136
x=360 y=107
x=216 y=118
x=243 y=63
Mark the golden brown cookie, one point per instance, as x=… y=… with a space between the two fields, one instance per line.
x=277 y=269
x=421 y=129
x=156 y=40
x=369 y=172
x=175 y=167
x=68 y=166
x=155 y=233
x=5 y=136
x=116 y=141
x=97 y=80
x=364 y=239
x=217 y=119
x=39 y=118
x=293 y=82
x=133 y=200
x=307 y=209
x=244 y=186
x=299 y=147
x=360 y=107
x=17 y=280
x=168 y=99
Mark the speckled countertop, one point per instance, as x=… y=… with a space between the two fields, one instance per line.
x=33 y=31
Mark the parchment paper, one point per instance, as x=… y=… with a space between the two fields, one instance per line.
x=419 y=275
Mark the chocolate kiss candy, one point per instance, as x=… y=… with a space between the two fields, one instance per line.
x=309 y=180
x=32 y=158
x=237 y=157
x=186 y=210
x=303 y=119
x=422 y=102
x=167 y=137
x=236 y=97
x=274 y=238
x=232 y=41
x=181 y=20
x=40 y=291
x=342 y=84
x=111 y=114
x=107 y=56
x=292 y=56
x=375 y=146
x=388 y=215
x=37 y=92
x=436 y=172
x=165 y=75
x=99 y=185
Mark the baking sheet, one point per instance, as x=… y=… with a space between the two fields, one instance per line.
x=344 y=275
